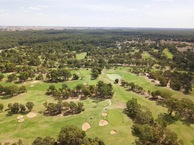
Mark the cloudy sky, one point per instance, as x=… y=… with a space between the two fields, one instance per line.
x=98 y=13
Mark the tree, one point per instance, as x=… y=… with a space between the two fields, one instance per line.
x=10 y=67
x=22 y=108
x=75 y=77
x=11 y=77
x=1 y=77
x=51 y=90
x=11 y=90
x=14 y=109
x=40 y=77
x=1 y=89
x=95 y=72
x=172 y=104
x=29 y=105
x=163 y=80
x=44 y=141
x=1 y=107
x=105 y=91
x=71 y=135
x=116 y=81
x=22 y=89
x=23 y=76
x=154 y=135
x=132 y=108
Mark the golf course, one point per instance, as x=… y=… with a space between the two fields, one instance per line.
x=117 y=121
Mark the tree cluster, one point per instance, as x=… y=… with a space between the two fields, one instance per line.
x=58 y=75
x=95 y=72
x=69 y=135
x=132 y=87
x=183 y=109
x=12 y=90
x=100 y=91
x=63 y=107
x=148 y=131
x=177 y=80
x=16 y=107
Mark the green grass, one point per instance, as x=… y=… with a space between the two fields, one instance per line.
x=11 y=130
x=113 y=76
x=80 y=56
x=168 y=53
x=145 y=55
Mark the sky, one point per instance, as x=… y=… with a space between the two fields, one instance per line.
x=98 y=13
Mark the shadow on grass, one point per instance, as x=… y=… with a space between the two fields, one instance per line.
x=169 y=119
x=9 y=113
x=4 y=97
x=187 y=122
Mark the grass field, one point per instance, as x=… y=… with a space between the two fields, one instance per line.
x=80 y=56
x=168 y=53
x=11 y=130
x=145 y=55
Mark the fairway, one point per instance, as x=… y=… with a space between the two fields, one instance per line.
x=117 y=120
x=80 y=56
x=168 y=53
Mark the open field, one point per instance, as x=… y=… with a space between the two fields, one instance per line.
x=168 y=53
x=11 y=130
x=80 y=56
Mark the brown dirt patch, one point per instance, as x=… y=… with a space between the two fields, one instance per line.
x=86 y=126
x=113 y=132
x=104 y=114
x=31 y=115
x=103 y=122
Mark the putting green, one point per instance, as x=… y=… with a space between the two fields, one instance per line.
x=113 y=76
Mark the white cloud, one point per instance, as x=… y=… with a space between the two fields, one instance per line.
x=163 y=0
x=33 y=8
x=4 y=12
x=147 y=6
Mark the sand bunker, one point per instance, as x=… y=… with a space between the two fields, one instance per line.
x=103 y=122
x=34 y=82
x=104 y=114
x=113 y=132
x=86 y=126
x=20 y=117
x=21 y=120
x=31 y=114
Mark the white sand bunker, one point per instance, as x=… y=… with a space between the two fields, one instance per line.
x=113 y=132
x=104 y=114
x=31 y=115
x=34 y=82
x=20 y=118
x=103 y=122
x=86 y=126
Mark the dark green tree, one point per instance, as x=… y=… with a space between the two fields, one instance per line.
x=30 y=105
x=71 y=135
